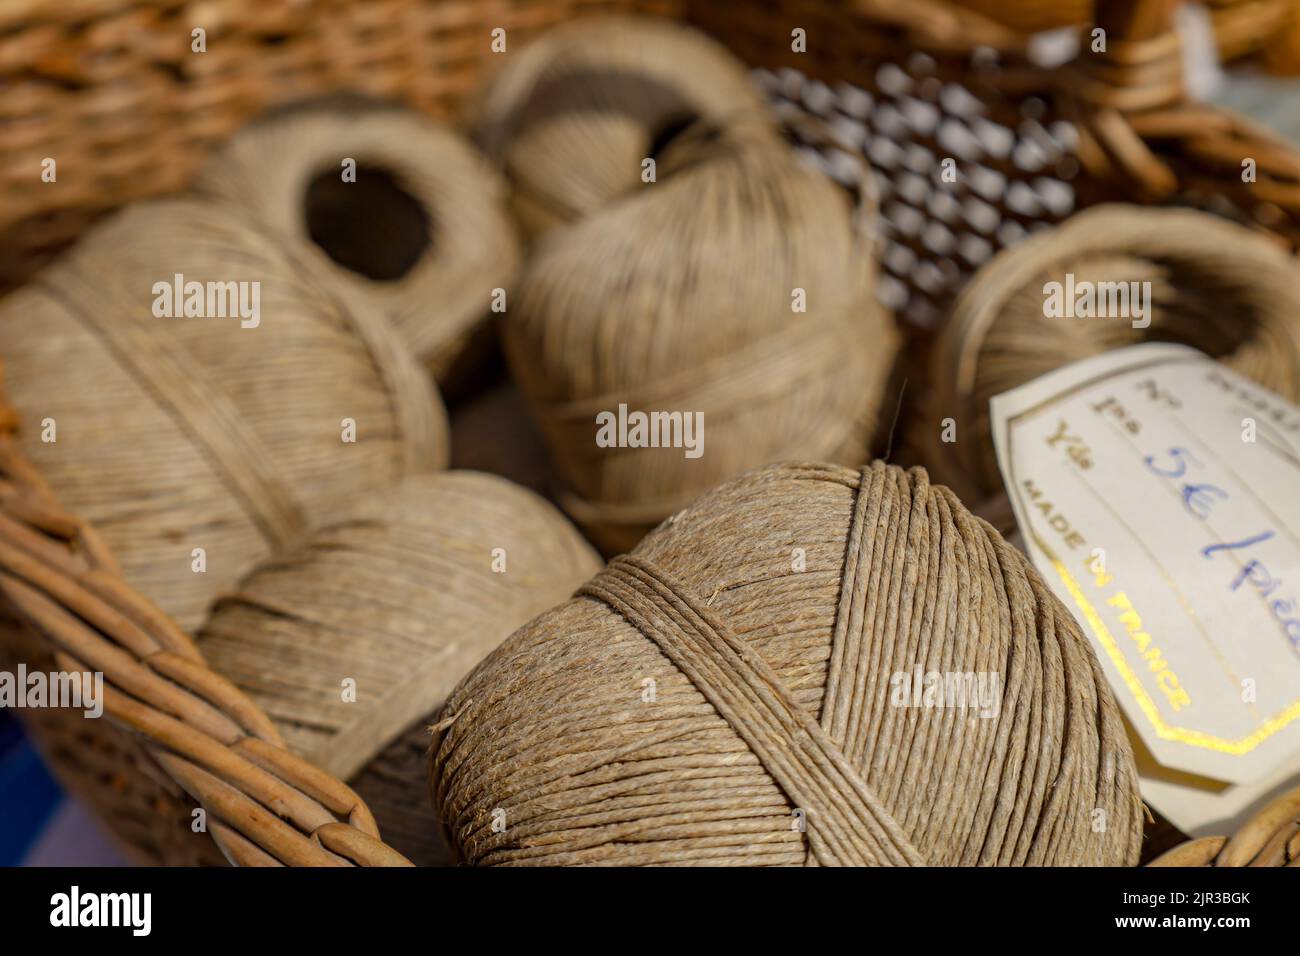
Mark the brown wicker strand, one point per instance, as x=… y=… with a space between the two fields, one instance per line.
x=1270 y=838
x=198 y=727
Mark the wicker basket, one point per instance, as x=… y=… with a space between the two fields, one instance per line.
x=111 y=89
x=1242 y=28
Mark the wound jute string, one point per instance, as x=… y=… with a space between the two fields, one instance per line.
x=189 y=390
x=406 y=212
x=352 y=640
x=573 y=115
x=1109 y=277
x=710 y=306
x=808 y=666
x=734 y=296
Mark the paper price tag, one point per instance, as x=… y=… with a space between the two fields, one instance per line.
x=1158 y=493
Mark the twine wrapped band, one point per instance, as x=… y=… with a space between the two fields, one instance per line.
x=846 y=826
x=725 y=386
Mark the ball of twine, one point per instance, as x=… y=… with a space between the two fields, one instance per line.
x=573 y=115
x=726 y=694
x=423 y=231
x=173 y=434
x=403 y=596
x=1215 y=286
x=682 y=299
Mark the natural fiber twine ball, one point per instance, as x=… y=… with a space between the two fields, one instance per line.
x=681 y=299
x=1216 y=286
x=423 y=230
x=402 y=596
x=176 y=434
x=573 y=114
x=729 y=694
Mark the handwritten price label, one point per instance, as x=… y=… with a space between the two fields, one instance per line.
x=1159 y=494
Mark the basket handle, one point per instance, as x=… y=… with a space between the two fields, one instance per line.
x=1140 y=67
x=265 y=806
x=1136 y=19
x=1137 y=125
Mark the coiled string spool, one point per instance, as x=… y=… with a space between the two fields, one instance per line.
x=198 y=445
x=1216 y=286
x=573 y=115
x=738 y=289
x=738 y=691
x=353 y=639
x=422 y=229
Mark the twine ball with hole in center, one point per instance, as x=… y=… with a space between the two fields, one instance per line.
x=743 y=689
x=737 y=292
x=423 y=231
x=573 y=114
x=1216 y=286
x=401 y=595
x=173 y=433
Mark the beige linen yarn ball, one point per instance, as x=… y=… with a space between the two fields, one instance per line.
x=176 y=434
x=402 y=595
x=572 y=114
x=1216 y=286
x=681 y=298
x=726 y=695
x=423 y=231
